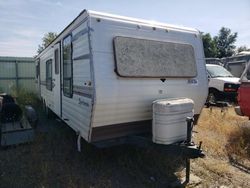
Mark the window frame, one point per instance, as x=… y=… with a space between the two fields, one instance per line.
x=70 y=93
x=49 y=77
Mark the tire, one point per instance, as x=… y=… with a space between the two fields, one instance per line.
x=43 y=105
x=212 y=97
x=48 y=112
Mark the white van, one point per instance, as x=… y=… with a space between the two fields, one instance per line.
x=222 y=84
x=103 y=71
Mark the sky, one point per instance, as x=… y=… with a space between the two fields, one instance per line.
x=24 y=22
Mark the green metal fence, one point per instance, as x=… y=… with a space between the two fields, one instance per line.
x=17 y=72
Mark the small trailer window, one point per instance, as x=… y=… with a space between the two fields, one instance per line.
x=147 y=58
x=49 y=74
x=37 y=71
x=56 y=57
x=67 y=67
x=38 y=68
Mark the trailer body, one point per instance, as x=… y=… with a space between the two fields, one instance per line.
x=102 y=73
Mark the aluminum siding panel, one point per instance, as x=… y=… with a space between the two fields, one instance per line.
x=120 y=100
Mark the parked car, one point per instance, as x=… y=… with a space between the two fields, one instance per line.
x=244 y=93
x=223 y=86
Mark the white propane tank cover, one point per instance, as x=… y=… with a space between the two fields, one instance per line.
x=169 y=119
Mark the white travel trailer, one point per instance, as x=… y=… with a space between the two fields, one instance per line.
x=102 y=73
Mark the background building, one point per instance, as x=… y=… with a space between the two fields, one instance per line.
x=17 y=73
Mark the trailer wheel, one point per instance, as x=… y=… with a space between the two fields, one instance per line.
x=48 y=112
x=43 y=105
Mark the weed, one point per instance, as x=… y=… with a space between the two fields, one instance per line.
x=223 y=133
x=23 y=97
x=239 y=142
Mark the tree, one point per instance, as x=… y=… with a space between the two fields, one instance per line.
x=46 y=40
x=242 y=48
x=210 y=48
x=225 y=42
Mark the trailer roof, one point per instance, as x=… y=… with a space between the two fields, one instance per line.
x=96 y=14
x=139 y=21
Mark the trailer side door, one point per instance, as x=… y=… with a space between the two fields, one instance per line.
x=56 y=82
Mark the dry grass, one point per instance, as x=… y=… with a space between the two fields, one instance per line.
x=223 y=133
x=226 y=142
x=239 y=142
x=216 y=166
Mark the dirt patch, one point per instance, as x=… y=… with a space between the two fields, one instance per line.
x=52 y=159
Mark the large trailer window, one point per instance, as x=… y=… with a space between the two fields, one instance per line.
x=67 y=67
x=49 y=74
x=147 y=58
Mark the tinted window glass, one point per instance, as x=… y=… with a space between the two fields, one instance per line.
x=49 y=74
x=218 y=71
x=56 y=54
